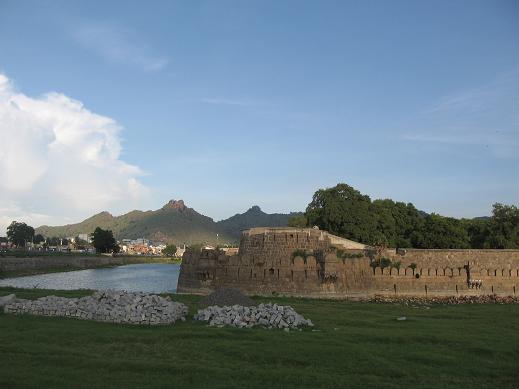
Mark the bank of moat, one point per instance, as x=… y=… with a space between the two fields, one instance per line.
x=313 y=263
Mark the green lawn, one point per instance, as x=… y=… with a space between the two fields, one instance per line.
x=354 y=345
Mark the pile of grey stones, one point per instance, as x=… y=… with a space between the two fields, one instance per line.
x=106 y=306
x=264 y=315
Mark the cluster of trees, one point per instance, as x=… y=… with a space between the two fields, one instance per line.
x=344 y=211
x=20 y=234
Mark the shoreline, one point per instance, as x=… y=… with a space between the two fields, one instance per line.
x=11 y=267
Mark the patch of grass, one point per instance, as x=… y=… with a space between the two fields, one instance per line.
x=355 y=345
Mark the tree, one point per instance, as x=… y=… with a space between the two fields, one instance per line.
x=19 y=233
x=343 y=211
x=104 y=241
x=478 y=231
x=441 y=232
x=397 y=221
x=79 y=243
x=53 y=241
x=503 y=227
x=298 y=221
x=38 y=238
x=170 y=250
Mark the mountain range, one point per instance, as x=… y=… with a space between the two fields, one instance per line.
x=173 y=223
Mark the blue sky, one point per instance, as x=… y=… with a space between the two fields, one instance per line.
x=227 y=104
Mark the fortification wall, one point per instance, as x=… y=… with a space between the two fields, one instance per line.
x=266 y=264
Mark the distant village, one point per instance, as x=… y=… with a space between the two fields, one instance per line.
x=82 y=244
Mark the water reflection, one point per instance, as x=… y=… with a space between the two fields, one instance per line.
x=149 y=277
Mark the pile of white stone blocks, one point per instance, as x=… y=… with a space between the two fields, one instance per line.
x=107 y=306
x=264 y=315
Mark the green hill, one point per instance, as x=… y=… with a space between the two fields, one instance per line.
x=254 y=217
x=173 y=223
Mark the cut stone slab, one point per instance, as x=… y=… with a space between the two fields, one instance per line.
x=4 y=300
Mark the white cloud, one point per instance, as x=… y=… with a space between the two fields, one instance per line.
x=118 y=45
x=59 y=161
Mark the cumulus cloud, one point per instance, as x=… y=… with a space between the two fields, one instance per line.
x=59 y=161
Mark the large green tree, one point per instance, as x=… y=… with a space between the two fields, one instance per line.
x=20 y=233
x=344 y=211
x=104 y=241
x=397 y=221
x=503 y=227
x=441 y=232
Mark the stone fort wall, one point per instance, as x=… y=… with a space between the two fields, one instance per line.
x=329 y=266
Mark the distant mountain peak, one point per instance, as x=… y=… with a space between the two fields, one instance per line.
x=175 y=223
x=104 y=214
x=175 y=204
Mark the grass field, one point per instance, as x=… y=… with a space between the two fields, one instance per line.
x=354 y=344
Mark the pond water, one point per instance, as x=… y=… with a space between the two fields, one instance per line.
x=148 y=277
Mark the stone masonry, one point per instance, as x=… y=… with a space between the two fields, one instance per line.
x=314 y=263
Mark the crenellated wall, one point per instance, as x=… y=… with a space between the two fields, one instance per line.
x=327 y=266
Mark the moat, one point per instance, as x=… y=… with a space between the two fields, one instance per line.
x=150 y=277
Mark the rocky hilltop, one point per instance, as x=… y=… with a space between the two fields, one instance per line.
x=175 y=223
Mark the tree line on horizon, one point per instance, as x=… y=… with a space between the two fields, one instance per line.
x=19 y=234
x=344 y=211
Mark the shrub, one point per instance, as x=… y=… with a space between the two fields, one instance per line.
x=396 y=265
x=344 y=255
x=385 y=262
x=301 y=253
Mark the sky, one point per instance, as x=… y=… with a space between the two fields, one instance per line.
x=125 y=105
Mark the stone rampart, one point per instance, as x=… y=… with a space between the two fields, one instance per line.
x=308 y=262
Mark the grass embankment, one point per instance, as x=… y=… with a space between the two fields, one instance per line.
x=127 y=260
x=355 y=345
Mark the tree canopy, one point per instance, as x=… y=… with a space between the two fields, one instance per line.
x=20 y=233
x=298 y=221
x=38 y=238
x=344 y=211
x=104 y=241
x=170 y=250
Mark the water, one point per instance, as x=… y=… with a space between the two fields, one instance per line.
x=149 y=277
